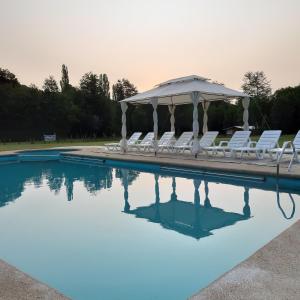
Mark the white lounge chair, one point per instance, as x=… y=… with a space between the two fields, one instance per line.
x=289 y=147
x=238 y=140
x=208 y=139
x=267 y=141
x=165 y=141
x=183 y=142
x=144 y=144
x=132 y=140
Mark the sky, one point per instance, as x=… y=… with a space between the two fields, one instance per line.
x=151 y=41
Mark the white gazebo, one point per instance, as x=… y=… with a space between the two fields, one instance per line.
x=184 y=90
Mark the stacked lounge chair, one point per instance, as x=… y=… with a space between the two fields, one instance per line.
x=144 y=144
x=207 y=140
x=131 y=141
x=165 y=142
x=183 y=142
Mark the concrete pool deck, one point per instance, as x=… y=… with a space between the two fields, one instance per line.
x=16 y=285
x=248 y=165
x=273 y=272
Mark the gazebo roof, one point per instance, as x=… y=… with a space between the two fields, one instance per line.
x=177 y=91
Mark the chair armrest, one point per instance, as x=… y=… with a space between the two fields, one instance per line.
x=287 y=144
x=223 y=143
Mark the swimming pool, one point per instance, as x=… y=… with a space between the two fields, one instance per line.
x=120 y=230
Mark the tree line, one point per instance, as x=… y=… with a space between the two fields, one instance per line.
x=91 y=110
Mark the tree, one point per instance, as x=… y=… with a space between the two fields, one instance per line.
x=123 y=89
x=104 y=86
x=256 y=84
x=285 y=112
x=64 y=82
x=89 y=83
x=50 y=85
x=258 y=87
x=7 y=77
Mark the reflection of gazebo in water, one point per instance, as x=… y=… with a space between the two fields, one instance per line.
x=192 y=219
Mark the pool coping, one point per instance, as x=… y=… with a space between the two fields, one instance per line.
x=240 y=166
x=187 y=161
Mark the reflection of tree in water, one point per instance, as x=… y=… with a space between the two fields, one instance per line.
x=14 y=177
x=130 y=176
x=127 y=177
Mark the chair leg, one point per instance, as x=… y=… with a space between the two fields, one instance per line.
x=270 y=154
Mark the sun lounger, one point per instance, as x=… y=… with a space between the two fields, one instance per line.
x=183 y=142
x=288 y=147
x=208 y=139
x=144 y=144
x=238 y=140
x=132 y=140
x=267 y=141
x=165 y=141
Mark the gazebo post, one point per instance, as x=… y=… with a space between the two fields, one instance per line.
x=205 y=106
x=172 y=108
x=245 y=102
x=154 y=102
x=195 y=96
x=124 y=107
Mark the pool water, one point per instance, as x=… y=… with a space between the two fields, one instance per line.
x=103 y=232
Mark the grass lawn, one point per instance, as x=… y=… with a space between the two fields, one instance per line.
x=62 y=143
x=92 y=142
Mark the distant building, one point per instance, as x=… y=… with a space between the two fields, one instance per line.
x=231 y=130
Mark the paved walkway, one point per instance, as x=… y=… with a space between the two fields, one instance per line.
x=248 y=165
x=272 y=273
x=16 y=285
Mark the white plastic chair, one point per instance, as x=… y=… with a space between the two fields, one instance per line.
x=208 y=139
x=132 y=140
x=267 y=141
x=238 y=140
x=183 y=142
x=145 y=143
x=165 y=141
x=289 y=147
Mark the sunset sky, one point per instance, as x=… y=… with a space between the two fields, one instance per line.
x=151 y=41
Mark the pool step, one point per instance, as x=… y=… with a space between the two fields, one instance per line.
x=38 y=157
x=191 y=172
x=82 y=160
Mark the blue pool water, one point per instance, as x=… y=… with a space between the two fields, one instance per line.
x=111 y=232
